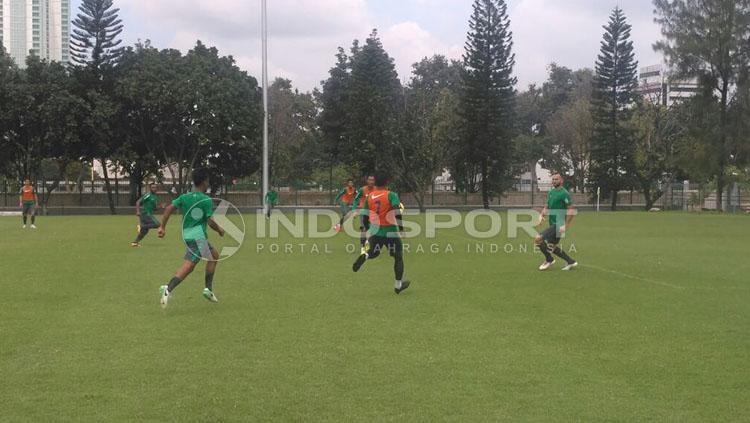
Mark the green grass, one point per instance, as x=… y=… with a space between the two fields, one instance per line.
x=655 y=325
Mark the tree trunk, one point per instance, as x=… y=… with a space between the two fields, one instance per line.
x=614 y=201
x=108 y=187
x=485 y=188
x=136 y=179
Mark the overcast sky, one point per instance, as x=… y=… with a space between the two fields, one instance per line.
x=304 y=34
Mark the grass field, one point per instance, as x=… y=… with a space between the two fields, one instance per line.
x=654 y=325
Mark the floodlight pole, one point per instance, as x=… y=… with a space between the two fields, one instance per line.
x=264 y=36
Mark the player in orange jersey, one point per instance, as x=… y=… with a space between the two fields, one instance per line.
x=28 y=201
x=383 y=220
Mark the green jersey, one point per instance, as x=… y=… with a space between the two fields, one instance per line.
x=272 y=197
x=196 y=208
x=558 y=201
x=148 y=203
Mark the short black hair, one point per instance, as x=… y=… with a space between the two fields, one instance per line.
x=200 y=176
x=381 y=179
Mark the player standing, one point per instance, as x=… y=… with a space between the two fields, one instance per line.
x=359 y=201
x=28 y=201
x=345 y=200
x=144 y=209
x=272 y=198
x=384 y=221
x=561 y=210
x=197 y=210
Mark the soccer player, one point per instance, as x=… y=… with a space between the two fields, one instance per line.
x=384 y=221
x=144 y=209
x=561 y=210
x=359 y=201
x=27 y=201
x=197 y=211
x=272 y=198
x=345 y=200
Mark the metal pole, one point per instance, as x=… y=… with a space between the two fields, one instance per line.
x=264 y=36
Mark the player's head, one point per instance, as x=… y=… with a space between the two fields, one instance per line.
x=557 y=179
x=152 y=187
x=381 y=180
x=200 y=179
x=350 y=183
x=27 y=181
x=370 y=181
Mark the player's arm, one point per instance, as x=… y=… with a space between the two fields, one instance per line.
x=138 y=207
x=165 y=219
x=397 y=209
x=215 y=226
x=569 y=217
x=543 y=215
x=338 y=197
x=36 y=200
x=366 y=215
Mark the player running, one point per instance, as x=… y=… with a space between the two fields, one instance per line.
x=197 y=211
x=345 y=200
x=359 y=202
x=28 y=201
x=144 y=209
x=384 y=221
x=561 y=210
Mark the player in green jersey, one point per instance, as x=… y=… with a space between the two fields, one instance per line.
x=144 y=209
x=272 y=198
x=197 y=211
x=560 y=209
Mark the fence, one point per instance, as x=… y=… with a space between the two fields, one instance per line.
x=687 y=197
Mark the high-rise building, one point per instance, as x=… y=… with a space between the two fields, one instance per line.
x=658 y=85
x=39 y=27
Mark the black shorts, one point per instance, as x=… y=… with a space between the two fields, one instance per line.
x=551 y=235
x=380 y=244
x=28 y=209
x=199 y=249
x=148 y=221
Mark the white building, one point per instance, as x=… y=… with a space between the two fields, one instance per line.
x=658 y=85
x=40 y=27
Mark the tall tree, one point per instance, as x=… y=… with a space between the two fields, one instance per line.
x=615 y=85
x=430 y=124
x=709 y=40
x=94 y=41
x=374 y=103
x=484 y=156
x=95 y=50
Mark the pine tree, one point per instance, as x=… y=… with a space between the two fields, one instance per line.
x=484 y=156
x=373 y=102
x=96 y=29
x=615 y=84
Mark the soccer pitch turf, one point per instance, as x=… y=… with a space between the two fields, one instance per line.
x=654 y=325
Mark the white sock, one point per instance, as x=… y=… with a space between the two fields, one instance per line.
x=398 y=284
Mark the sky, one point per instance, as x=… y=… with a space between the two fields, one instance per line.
x=304 y=34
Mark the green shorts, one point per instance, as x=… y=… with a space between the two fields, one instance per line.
x=28 y=208
x=199 y=249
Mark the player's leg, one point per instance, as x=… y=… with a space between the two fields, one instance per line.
x=396 y=250
x=362 y=233
x=166 y=290
x=33 y=216
x=24 y=214
x=571 y=263
x=146 y=224
x=543 y=240
x=208 y=291
x=376 y=244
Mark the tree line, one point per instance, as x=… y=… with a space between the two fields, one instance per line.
x=145 y=111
